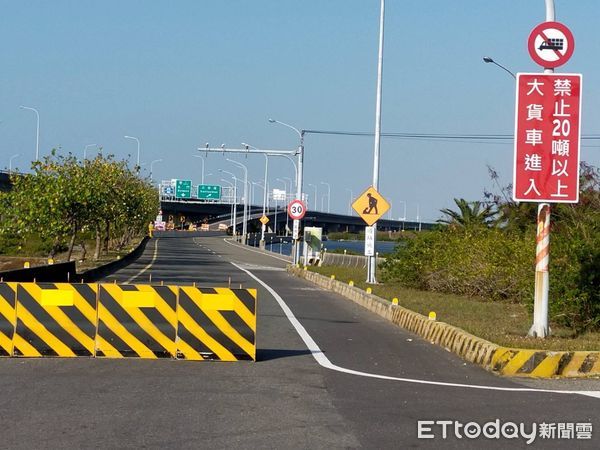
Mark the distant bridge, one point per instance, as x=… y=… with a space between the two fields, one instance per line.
x=195 y=211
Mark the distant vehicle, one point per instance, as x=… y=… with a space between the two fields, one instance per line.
x=223 y=227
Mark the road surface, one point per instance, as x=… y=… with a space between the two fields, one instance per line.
x=329 y=375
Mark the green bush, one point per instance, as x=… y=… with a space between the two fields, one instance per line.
x=479 y=262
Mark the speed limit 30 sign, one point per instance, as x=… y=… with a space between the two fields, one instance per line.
x=296 y=209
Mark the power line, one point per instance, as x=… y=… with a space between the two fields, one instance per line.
x=432 y=136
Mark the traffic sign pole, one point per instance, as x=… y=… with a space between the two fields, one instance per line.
x=542 y=277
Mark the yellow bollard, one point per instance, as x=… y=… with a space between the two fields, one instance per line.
x=305 y=268
x=26 y=265
x=50 y=261
x=395 y=301
x=432 y=315
x=333 y=277
x=150 y=229
x=369 y=290
x=350 y=283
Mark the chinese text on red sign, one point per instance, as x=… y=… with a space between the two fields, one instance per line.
x=547 y=138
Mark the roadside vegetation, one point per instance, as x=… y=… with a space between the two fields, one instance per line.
x=97 y=204
x=477 y=268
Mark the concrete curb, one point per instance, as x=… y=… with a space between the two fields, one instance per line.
x=490 y=356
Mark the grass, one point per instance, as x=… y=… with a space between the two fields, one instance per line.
x=502 y=323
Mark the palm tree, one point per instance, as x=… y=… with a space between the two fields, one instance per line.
x=469 y=214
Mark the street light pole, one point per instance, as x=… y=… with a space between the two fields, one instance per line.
x=10 y=162
x=232 y=175
x=138 y=151
x=85 y=150
x=315 y=186
x=350 y=201
x=37 y=133
x=300 y=169
x=245 y=215
x=202 y=159
x=371 y=260
x=152 y=167
x=231 y=212
x=286 y=202
x=328 y=196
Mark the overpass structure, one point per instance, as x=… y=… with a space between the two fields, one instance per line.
x=195 y=211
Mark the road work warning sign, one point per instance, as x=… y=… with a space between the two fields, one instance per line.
x=370 y=206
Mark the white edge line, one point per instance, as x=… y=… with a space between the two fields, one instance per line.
x=323 y=361
x=148 y=266
x=230 y=242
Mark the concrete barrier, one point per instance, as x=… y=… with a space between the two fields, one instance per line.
x=124 y=320
x=62 y=272
x=492 y=357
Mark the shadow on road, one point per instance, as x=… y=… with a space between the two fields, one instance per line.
x=268 y=354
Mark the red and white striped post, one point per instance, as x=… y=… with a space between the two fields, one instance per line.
x=542 y=255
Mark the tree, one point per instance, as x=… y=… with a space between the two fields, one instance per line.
x=469 y=214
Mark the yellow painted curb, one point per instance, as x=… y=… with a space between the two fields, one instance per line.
x=501 y=360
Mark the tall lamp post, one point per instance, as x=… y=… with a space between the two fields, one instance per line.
x=152 y=166
x=202 y=159
x=232 y=203
x=315 y=186
x=296 y=255
x=138 y=150
x=85 y=150
x=372 y=261
x=263 y=227
x=350 y=201
x=235 y=179
x=286 y=201
x=10 y=162
x=37 y=139
x=245 y=219
x=328 y=195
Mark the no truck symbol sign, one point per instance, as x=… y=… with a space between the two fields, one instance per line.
x=551 y=44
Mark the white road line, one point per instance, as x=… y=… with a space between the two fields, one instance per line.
x=323 y=361
x=245 y=247
x=148 y=266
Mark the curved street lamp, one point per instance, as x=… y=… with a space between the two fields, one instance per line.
x=487 y=59
x=37 y=139
x=138 y=150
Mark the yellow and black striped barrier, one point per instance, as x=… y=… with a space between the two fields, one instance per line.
x=122 y=320
x=55 y=319
x=137 y=320
x=8 y=317
x=216 y=324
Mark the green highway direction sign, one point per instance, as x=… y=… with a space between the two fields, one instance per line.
x=209 y=192
x=183 y=188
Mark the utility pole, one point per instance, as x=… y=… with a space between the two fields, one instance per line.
x=372 y=260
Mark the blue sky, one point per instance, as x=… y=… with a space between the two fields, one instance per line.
x=179 y=74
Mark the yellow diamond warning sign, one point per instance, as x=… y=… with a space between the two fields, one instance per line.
x=370 y=206
x=264 y=220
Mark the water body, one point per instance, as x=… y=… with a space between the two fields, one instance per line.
x=358 y=247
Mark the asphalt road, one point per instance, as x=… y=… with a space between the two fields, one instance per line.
x=287 y=399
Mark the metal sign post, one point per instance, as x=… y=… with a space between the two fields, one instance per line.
x=547 y=135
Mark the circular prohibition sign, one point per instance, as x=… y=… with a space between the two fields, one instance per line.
x=296 y=209
x=551 y=44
